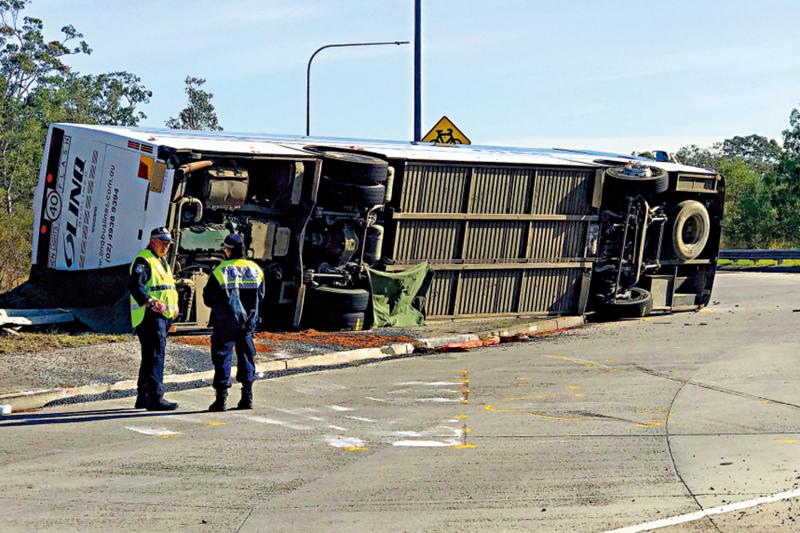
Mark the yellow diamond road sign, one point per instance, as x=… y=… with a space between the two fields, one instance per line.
x=445 y=132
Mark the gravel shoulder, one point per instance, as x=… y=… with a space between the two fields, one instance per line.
x=117 y=361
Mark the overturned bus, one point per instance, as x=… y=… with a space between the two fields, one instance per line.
x=506 y=231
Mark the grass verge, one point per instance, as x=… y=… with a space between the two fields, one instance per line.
x=759 y=263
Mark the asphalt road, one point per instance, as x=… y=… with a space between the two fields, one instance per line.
x=611 y=426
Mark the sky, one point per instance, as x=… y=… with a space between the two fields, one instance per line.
x=617 y=75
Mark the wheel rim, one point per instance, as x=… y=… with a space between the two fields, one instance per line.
x=692 y=230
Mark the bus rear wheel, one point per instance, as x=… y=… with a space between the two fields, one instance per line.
x=634 y=303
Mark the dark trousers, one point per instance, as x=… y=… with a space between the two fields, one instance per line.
x=223 y=343
x=152 y=333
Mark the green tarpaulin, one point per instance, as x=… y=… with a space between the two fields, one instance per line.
x=398 y=298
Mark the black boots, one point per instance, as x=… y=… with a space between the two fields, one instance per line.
x=222 y=395
x=219 y=403
x=141 y=400
x=161 y=405
x=247 y=397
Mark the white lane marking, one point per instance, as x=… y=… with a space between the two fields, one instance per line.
x=697 y=515
x=406 y=434
x=398 y=391
x=360 y=418
x=437 y=400
x=343 y=442
x=427 y=383
x=187 y=418
x=340 y=408
x=424 y=443
x=152 y=431
x=376 y=399
x=264 y=420
x=337 y=428
x=296 y=411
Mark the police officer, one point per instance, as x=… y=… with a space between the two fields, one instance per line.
x=234 y=293
x=154 y=304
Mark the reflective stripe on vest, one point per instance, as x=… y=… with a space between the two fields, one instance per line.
x=160 y=286
x=235 y=274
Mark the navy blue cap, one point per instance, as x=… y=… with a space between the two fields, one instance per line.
x=162 y=234
x=233 y=241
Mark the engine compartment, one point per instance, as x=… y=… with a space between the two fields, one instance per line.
x=310 y=233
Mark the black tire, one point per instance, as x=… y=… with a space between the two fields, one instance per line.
x=344 y=194
x=354 y=168
x=333 y=321
x=690 y=230
x=639 y=303
x=342 y=300
x=655 y=184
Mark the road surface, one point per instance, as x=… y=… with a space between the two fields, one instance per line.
x=631 y=424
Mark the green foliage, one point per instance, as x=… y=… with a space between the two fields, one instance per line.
x=15 y=241
x=37 y=87
x=750 y=219
x=762 y=203
x=199 y=114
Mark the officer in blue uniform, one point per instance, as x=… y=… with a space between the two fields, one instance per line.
x=234 y=293
x=153 y=307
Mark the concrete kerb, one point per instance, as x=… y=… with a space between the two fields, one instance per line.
x=24 y=401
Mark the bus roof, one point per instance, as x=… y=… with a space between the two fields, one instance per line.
x=298 y=146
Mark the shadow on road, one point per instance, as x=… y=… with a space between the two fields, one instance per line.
x=73 y=417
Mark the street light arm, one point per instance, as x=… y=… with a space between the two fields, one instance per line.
x=308 y=71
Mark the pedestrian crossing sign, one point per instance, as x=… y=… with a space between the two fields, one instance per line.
x=445 y=132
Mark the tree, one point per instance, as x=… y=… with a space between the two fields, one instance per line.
x=751 y=219
x=37 y=88
x=199 y=114
x=27 y=63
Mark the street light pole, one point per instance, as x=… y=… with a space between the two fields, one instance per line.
x=417 y=70
x=308 y=71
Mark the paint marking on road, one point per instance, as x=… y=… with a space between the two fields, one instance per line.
x=337 y=441
x=582 y=362
x=426 y=383
x=697 y=515
x=168 y=436
x=579 y=395
x=573 y=387
x=191 y=419
x=406 y=434
x=337 y=428
x=361 y=419
x=380 y=400
x=438 y=400
x=424 y=443
x=216 y=423
x=461 y=417
x=787 y=441
x=272 y=421
x=463 y=372
x=340 y=408
x=526 y=397
x=356 y=449
x=159 y=432
x=652 y=423
x=468 y=445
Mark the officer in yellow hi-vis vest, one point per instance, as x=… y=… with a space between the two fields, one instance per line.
x=234 y=293
x=154 y=305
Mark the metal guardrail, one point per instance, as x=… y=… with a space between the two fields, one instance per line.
x=776 y=255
